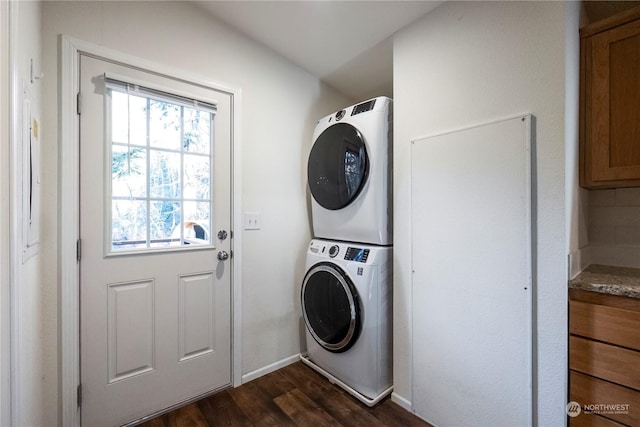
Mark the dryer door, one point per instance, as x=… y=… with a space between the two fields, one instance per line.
x=338 y=166
x=330 y=306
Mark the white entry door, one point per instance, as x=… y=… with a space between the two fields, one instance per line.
x=155 y=314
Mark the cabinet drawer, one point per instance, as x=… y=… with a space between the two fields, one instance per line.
x=588 y=390
x=611 y=363
x=609 y=324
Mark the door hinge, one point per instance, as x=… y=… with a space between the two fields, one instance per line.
x=79 y=394
x=78 y=98
x=78 y=250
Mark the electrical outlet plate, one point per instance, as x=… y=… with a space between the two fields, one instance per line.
x=251 y=221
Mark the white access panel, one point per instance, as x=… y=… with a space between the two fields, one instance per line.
x=471 y=257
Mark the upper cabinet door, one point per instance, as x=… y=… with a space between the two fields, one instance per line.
x=610 y=103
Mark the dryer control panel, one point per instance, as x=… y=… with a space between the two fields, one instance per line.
x=365 y=106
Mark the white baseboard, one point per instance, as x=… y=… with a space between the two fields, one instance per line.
x=250 y=376
x=401 y=401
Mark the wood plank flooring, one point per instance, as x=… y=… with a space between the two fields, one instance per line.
x=295 y=395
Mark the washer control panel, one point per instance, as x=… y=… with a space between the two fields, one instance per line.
x=356 y=254
x=336 y=250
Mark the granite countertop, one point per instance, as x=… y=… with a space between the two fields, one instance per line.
x=609 y=280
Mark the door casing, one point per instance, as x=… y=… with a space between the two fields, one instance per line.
x=69 y=212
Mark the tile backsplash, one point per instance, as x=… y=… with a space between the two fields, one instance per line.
x=614 y=227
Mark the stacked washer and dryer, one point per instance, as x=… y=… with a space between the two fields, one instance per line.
x=346 y=293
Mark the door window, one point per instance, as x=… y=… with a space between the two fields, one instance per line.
x=160 y=160
x=338 y=166
x=330 y=307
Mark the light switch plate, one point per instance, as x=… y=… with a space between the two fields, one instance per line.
x=252 y=221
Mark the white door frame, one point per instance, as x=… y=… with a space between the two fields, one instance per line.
x=69 y=212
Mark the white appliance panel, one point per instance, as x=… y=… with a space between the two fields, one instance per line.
x=472 y=280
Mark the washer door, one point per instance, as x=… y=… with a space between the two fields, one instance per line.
x=338 y=166
x=330 y=307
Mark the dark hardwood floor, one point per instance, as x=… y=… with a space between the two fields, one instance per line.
x=292 y=396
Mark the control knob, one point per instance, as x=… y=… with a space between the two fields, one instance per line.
x=333 y=251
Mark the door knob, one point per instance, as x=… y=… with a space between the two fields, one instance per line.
x=223 y=255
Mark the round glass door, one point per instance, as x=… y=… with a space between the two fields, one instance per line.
x=338 y=166
x=330 y=307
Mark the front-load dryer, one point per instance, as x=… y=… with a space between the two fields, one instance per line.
x=346 y=300
x=349 y=174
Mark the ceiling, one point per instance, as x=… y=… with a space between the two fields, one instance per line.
x=344 y=43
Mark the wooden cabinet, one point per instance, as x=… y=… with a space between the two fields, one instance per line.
x=610 y=102
x=604 y=358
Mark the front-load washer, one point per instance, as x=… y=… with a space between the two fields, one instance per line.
x=349 y=174
x=346 y=299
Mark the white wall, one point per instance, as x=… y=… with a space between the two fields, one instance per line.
x=614 y=227
x=280 y=105
x=468 y=63
x=27 y=341
x=5 y=264
x=577 y=197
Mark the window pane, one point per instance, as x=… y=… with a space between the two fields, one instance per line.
x=128 y=224
x=164 y=125
x=197 y=213
x=165 y=174
x=119 y=126
x=197 y=177
x=164 y=219
x=131 y=128
x=195 y=233
x=197 y=131
x=128 y=171
x=138 y=120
